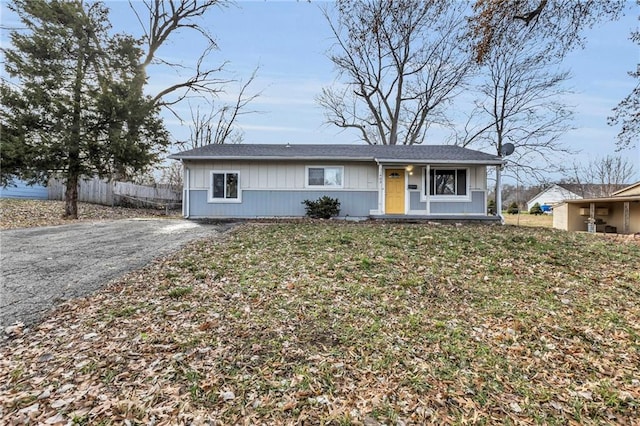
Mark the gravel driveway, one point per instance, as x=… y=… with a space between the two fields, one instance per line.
x=44 y=266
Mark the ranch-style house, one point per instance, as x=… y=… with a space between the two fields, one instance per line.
x=439 y=182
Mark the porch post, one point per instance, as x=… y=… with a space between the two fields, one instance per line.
x=427 y=189
x=625 y=220
x=591 y=224
x=380 y=189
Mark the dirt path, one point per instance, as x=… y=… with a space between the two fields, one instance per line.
x=44 y=266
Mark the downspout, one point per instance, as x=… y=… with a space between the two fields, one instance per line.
x=499 y=193
x=379 y=186
x=186 y=197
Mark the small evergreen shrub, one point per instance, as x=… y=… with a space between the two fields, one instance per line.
x=513 y=208
x=323 y=208
x=536 y=209
x=491 y=207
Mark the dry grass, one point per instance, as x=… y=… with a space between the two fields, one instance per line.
x=15 y=213
x=526 y=219
x=341 y=323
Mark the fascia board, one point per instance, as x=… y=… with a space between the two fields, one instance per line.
x=327 y=158
x=264 y=157
x=414 y=161
x=603 y=200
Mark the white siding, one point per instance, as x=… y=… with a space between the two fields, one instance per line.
x=478 y=178
x=281 y=175
x=290 y=175
x=561 y=216
x=551 y=196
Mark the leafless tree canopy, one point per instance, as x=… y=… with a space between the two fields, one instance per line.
x=161 y=19
x=556 y=24
x=218 y=124
x=609 y=174
x=401 y=63
x=627 y=112
x=520 y=102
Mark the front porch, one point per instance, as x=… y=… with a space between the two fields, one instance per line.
x=425 y=191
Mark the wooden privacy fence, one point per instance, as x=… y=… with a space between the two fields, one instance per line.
x=96 y=191
x=101 y=191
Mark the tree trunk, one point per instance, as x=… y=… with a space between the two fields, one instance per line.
x=74 y=166
x=71 y=197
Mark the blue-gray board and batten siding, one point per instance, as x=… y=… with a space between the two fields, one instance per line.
x=475 y=206
x=24 y=191
x=267 y=203
x=273 y=203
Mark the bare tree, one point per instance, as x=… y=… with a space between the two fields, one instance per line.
x=172 y=176
x=603 y=176
x=218 y=124
x=401 y=62
x=520 y=102
x=162 y=19
x=556 y=25
x=627 y=112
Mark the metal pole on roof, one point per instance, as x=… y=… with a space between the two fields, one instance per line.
x=499 y=192
x=505 y=150
x=518 y=196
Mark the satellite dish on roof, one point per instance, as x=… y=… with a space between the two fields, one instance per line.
x=507 y=149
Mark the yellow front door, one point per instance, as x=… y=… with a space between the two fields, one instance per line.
x=394 y=191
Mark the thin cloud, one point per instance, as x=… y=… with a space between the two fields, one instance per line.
x=265 y=128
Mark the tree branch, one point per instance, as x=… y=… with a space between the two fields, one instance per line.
x=528 y=17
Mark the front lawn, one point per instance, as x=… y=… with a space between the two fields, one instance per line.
x=19 y=213
x=339 y=323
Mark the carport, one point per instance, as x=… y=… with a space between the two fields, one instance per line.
x=617 y=214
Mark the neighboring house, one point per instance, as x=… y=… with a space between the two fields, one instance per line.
x=559 y=192
x=619 y=213
x=253 y=181
x=22 y=190
x=554 y=194
x=628 y=191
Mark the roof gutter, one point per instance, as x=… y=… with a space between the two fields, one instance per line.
x=602 y=200
x=378 y=161
x=433 y=161
x=264 y=157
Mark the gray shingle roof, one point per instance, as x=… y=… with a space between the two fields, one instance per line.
x=592 y=190
x=388 y=153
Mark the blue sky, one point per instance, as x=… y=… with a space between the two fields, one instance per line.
x=288 y=41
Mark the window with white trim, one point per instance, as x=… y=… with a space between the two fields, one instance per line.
x=324 y=176
x=224 y=186
x=446 y=182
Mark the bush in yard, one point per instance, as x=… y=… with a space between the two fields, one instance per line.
x=536 y=209
x=491 y=207
x=323 y=208
x=513 y=208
